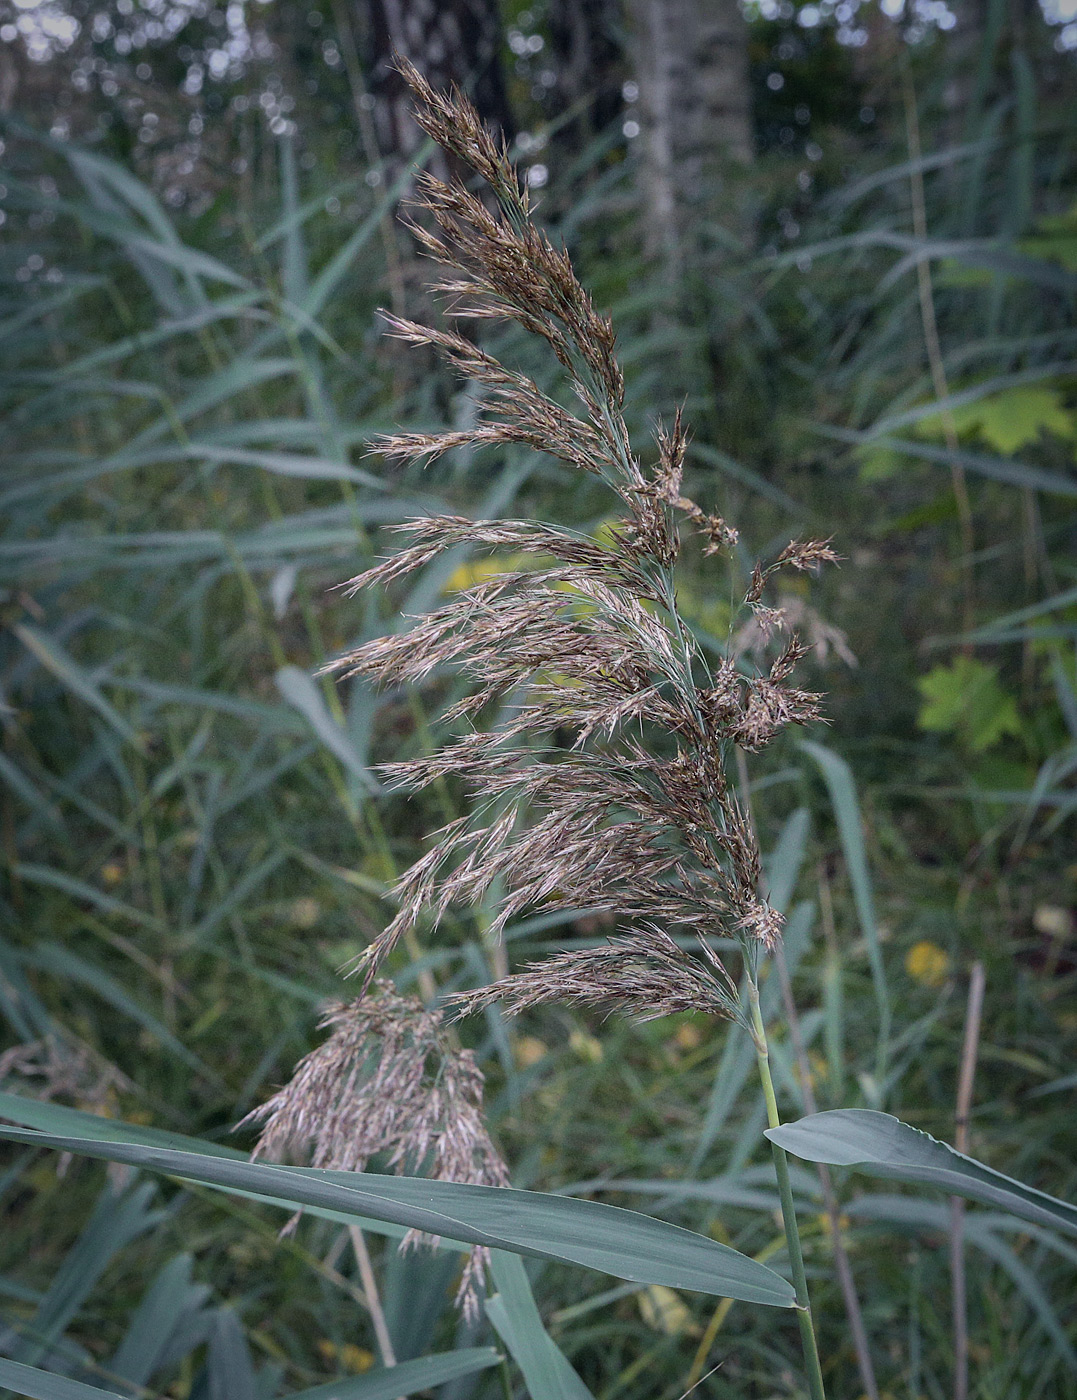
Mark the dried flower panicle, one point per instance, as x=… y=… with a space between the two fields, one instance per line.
x=643 y=974
x=636 y=816
x=389 y=1082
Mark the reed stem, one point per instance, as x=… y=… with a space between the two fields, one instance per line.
x=789 y=1216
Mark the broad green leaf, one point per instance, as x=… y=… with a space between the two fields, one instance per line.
x=43 y=1385
x=885 y=1146
x=881 y=456
x=966 y=698
x=967 y=405
x=512 y=1310
x=596 y=1236
x=406 y=1378
x=1010 y=419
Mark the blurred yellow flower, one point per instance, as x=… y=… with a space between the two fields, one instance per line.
x=529 y=1050
x=665 y=1311
x=688 y=1036
x=927 y=963
x=586 y=1046
x=352 y=1358
x=306 y=912
x=479 y=570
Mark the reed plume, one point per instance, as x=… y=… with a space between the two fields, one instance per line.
x=636 y=816
x=389 y=1082
x=634 y=813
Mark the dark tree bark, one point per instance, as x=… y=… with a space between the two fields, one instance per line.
x=449 y=41
x=587 y=43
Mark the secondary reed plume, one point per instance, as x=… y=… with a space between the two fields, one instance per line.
x=637 y=816
x=389 y=1082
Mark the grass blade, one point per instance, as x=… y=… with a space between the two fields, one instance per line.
x=601 y=1237
x=839 y=781
x=884 y=1146
x=43 y=1385
x=546 y=1370
x=405 y=1378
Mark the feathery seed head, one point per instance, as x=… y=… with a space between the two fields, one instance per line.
x=635 y=816
x=388 y=1082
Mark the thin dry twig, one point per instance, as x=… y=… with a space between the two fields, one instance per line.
x=969 y=1053
x=373 y=1296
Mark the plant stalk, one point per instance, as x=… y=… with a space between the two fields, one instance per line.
x=789 y=1216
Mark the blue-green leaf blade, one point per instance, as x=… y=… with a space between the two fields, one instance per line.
x=546 y=1370
x=43 y=1385
x=593 y=1235
x=404 y=1379
x=884 y=1146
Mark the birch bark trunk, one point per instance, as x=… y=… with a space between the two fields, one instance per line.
x=691 y=59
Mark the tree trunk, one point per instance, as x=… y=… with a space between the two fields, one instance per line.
x=449 y=41
x=589 y=62
x=691 y=60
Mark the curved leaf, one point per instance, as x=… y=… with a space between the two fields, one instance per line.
x=384 y=1384
x=606 y=1238
x=515 y=1318
x=405 y=1378
x=885 y=1146
x=43 y=1385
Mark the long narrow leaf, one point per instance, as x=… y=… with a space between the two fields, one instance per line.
x=406 y=1378
x=588 y=1233
x=884 y=1146
x=43 y=1385
x=546 y=1370
x=839 y=780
